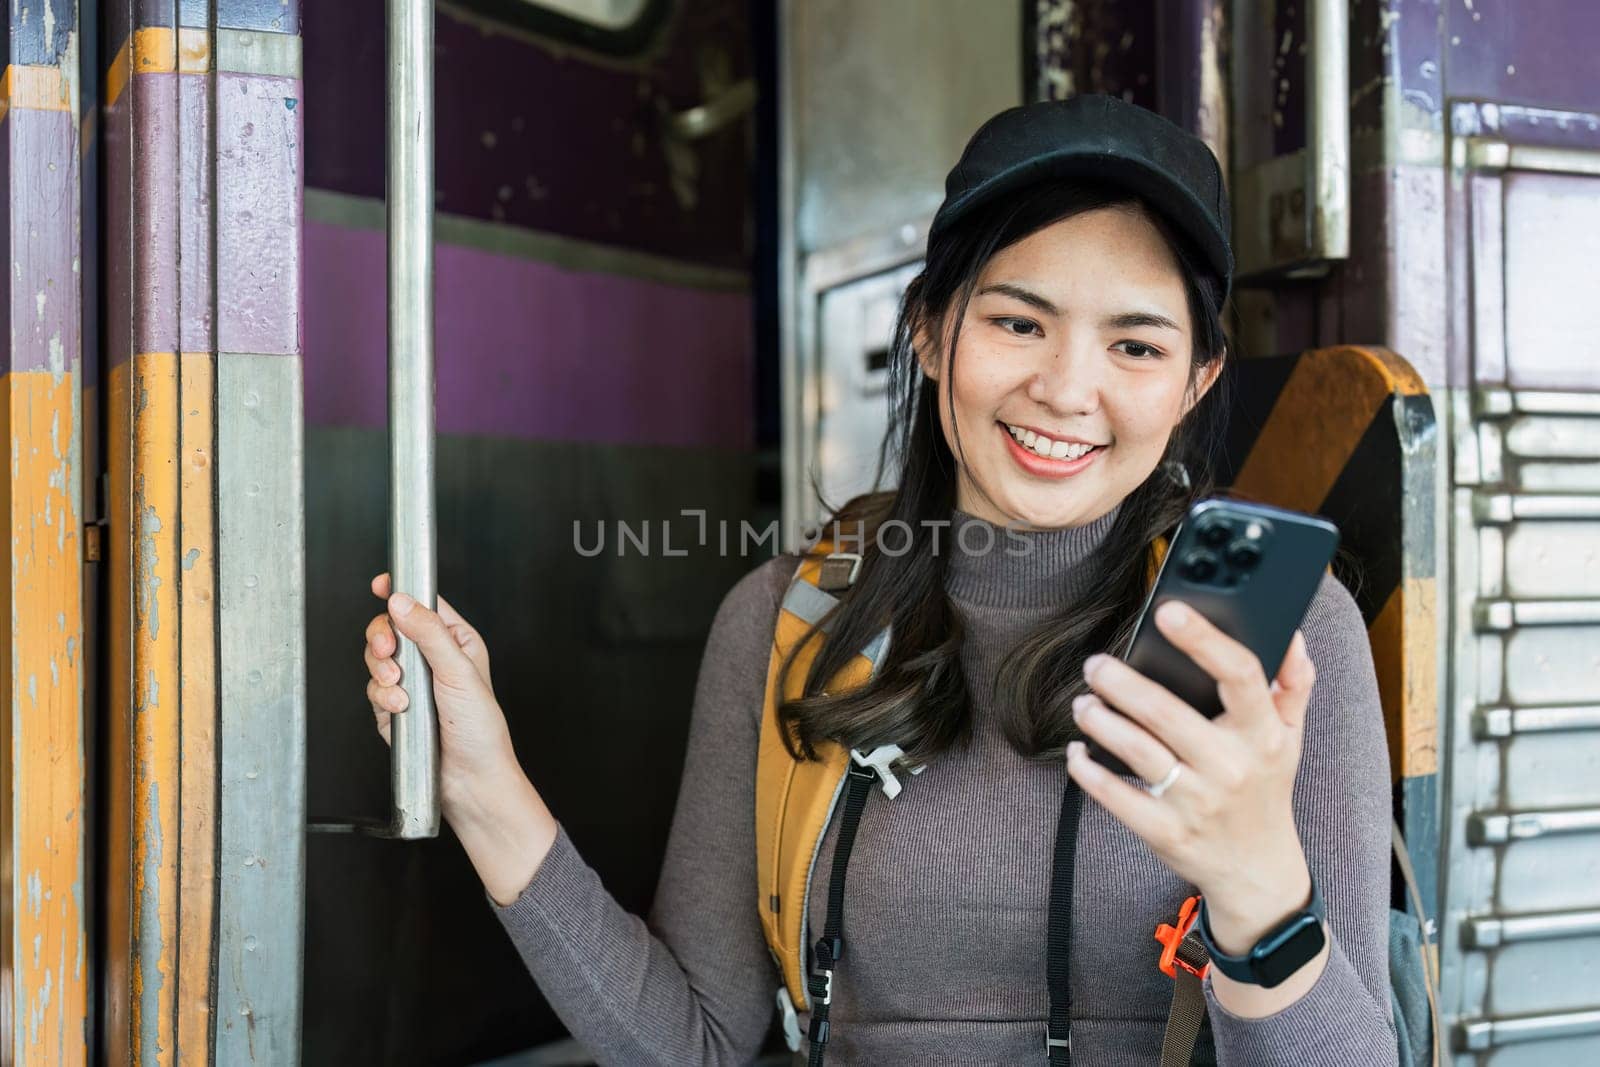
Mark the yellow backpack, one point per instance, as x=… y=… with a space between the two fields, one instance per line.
x=795 y=799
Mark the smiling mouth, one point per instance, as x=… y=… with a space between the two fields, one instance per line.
x=1048 y=448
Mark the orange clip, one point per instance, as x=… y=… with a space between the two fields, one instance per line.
x=1172 y=936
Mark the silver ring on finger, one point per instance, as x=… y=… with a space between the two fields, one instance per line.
x=1165 y=784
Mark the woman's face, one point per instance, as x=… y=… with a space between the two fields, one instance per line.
x=1076 y=336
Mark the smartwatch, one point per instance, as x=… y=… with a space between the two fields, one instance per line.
x=1280 y=953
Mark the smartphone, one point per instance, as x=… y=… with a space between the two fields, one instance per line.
x=1248 y=568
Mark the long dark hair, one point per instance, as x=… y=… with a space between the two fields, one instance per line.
x=918 y=698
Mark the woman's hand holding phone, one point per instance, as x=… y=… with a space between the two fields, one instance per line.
x=1225 y=823
x=483 y=792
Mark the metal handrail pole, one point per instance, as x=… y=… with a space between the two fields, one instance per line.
x=414 y=735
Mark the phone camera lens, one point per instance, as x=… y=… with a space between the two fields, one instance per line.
x=1215 y=534
x=1200 y=566
x=1244 y=554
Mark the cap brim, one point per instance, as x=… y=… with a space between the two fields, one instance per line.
x=1167 y=194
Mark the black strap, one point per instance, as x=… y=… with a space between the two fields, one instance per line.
x=830 y=948
x=1059 y=967
x=1188 y=1010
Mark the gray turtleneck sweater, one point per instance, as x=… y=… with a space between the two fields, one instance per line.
x=945 y=912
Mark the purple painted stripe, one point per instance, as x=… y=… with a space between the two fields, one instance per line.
x=529 y=350
x=194 y=207
x=258 y=197
x=7 y=360
x=158 y=221
x=1503 y=51
x=116 y=228
x=154 y=212
x=41 y=174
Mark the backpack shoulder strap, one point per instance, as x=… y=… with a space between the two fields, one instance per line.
x=795 y=798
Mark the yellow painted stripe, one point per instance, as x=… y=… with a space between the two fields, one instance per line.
x=199 y=696
x=1330 y=398
x=146 y=704
x=158 y=50
x=117 y=741
x=156 y=705
x=34 y=88
x=1404 y=646
x=42 y=768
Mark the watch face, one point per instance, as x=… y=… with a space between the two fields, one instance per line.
x=1287 y=952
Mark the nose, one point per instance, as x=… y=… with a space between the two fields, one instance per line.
x=1068 y=377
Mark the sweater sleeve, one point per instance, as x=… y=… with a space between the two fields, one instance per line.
x=1342 y=810
x=695 y=983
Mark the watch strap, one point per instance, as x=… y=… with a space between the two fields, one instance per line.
x=1264 y=955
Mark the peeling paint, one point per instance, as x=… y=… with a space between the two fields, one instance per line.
x=189 y=557
x=151 y=977
x=149 y=580
x=44 y=843
x=49 y=21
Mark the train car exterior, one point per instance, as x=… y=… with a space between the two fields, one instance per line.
x=668 y=239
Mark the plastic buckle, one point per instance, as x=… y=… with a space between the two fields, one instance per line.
x=1171 y=937
x=821 y=989
x=828 y=577
x=791 y=1019
x=880 y=759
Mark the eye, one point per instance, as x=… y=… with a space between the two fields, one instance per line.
x=1139 y=350
x=1017 y=327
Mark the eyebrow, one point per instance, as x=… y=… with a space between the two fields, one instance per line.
x=1125 y=320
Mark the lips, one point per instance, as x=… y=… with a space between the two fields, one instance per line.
x=1041 y=466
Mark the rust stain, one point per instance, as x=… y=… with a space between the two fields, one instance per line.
x=41 y=748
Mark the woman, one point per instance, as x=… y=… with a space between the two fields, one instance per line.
x=1049 y=363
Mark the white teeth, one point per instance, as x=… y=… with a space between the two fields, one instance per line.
x=1047 y=448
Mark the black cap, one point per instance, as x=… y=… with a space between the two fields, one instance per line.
x=1102 y=138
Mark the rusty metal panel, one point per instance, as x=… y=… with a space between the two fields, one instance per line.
x=143 y=732
x=1100 y=46
x=202 y=237
x=162 y=701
